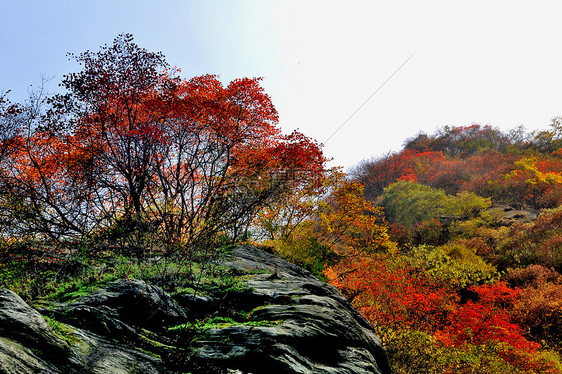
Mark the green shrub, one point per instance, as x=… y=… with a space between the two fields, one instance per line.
x=454 y=265
x=308 y=253
x=421 y=209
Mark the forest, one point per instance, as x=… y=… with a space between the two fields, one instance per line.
x=451 y=247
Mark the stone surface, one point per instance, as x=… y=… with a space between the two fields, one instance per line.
x=315 y=329
x=508 y=215
x=18 y=359
x=29 y=345
x=90 y=353
x=137 y=303
x=282 y=320
x=24 y=325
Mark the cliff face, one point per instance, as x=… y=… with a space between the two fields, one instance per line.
x=283 y=320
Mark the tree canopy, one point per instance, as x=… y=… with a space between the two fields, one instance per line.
x=132 y=145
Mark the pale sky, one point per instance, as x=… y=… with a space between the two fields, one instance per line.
x=486 y=62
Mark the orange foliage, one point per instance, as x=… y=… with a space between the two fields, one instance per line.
x=349 y=223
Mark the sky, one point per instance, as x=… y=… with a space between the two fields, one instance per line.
x=408 y=66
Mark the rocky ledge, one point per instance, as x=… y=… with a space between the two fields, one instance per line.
x=283 y=320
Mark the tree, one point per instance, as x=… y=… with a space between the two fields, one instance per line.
x=377 y=174
x=410 y=164
x=285 y=217
x=38 y=190
x=461 y=141
x=131 y=148
x=535 y=181
x=548 y=141
x=413 y=205
x=348 y=223
x=317 y=230
x=9 y=117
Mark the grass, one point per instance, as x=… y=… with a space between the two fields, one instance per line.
x=73 y=290
x=36 y=272
x=61 y=330
x=219 y=322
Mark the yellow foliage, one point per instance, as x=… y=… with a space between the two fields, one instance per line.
x=528 y=166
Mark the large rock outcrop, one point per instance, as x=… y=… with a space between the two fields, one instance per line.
x=29 y=345
x=282 y=320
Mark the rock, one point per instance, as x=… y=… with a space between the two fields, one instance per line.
x=120 y=310
x=137 y=303
x=17 y=359
x=198 y=305
x=24 y=325
x=281 y=320
x=314 y=329
x=28 y=345
x=92 y=354
x=507 y=215
x=100 y=320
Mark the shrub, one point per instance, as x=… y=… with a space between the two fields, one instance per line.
x=540 y=311
x=420 y=209
x=308 y=253
x=538 y=242
x=532 y=276
x=454 y=265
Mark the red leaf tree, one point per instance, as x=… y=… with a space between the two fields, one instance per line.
x=147 y=151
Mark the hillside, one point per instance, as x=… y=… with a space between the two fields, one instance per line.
x=476 y=215
x=450 y=247
x=122 y=197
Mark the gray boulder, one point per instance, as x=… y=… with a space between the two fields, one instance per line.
x=298 y=325
x=29 y=345
x=280 y=320
x=24 y=325
x=137 y=303
x=507 y=215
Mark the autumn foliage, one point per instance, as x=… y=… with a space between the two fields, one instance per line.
x=473 y=284
x=390 y=293
x=131 y=148
x=431 y=244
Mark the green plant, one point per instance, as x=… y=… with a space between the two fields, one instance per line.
x=60 y=329
x=308 y=253
x=420 y=209
x=454 y=265
x=219 y=322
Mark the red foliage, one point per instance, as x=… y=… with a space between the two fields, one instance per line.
x=486 y=321
x=430 y=167
x=140 y=142
x=398 y=233
x=390 y=293
x=410 y=165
